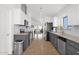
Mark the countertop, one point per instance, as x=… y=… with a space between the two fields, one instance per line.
x=22 y=34
x=67 y=36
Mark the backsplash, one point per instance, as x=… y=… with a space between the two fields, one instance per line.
x=17 y=28
x=73 y=30
x=73 y=27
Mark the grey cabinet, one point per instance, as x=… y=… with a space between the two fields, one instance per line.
x=58 y=42
x=53 y=39
x=76 y=45
x=50 y=37
x=63 y=45
x=47 y=36
x=72 y=48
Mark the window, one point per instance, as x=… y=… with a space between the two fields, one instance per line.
x=65 y=22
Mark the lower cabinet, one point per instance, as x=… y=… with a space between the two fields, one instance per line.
x=58 y=42
x=71 y=50
x=63 y=45
x=47 y=36
x=53 y=39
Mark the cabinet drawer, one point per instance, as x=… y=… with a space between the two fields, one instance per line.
x=70 y=50
x=74 y=44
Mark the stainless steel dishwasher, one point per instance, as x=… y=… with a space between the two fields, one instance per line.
x=61 y=45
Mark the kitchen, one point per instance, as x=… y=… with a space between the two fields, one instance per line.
x=38 y=27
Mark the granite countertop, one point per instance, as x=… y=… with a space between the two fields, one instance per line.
x=21 y=34
x=67 y=36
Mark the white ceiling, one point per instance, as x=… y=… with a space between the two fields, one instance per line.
x=48 y=10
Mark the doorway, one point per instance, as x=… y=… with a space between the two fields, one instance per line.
x=38 y=33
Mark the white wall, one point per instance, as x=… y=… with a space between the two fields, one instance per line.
x=18 y=17
x=28 y=18
x=72 y=11
x=9 y=14
x=6 y=26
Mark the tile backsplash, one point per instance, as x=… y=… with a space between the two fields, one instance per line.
x=17 y=28
x=74 y=27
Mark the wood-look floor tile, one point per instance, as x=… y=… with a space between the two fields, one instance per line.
x=41 y=47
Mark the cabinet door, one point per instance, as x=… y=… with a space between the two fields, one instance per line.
x=50 y=37
x=76 y=45
x=53 y=39
x=56 y=41
x=70 y=50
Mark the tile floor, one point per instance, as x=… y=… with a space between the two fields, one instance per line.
x=41 y=47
